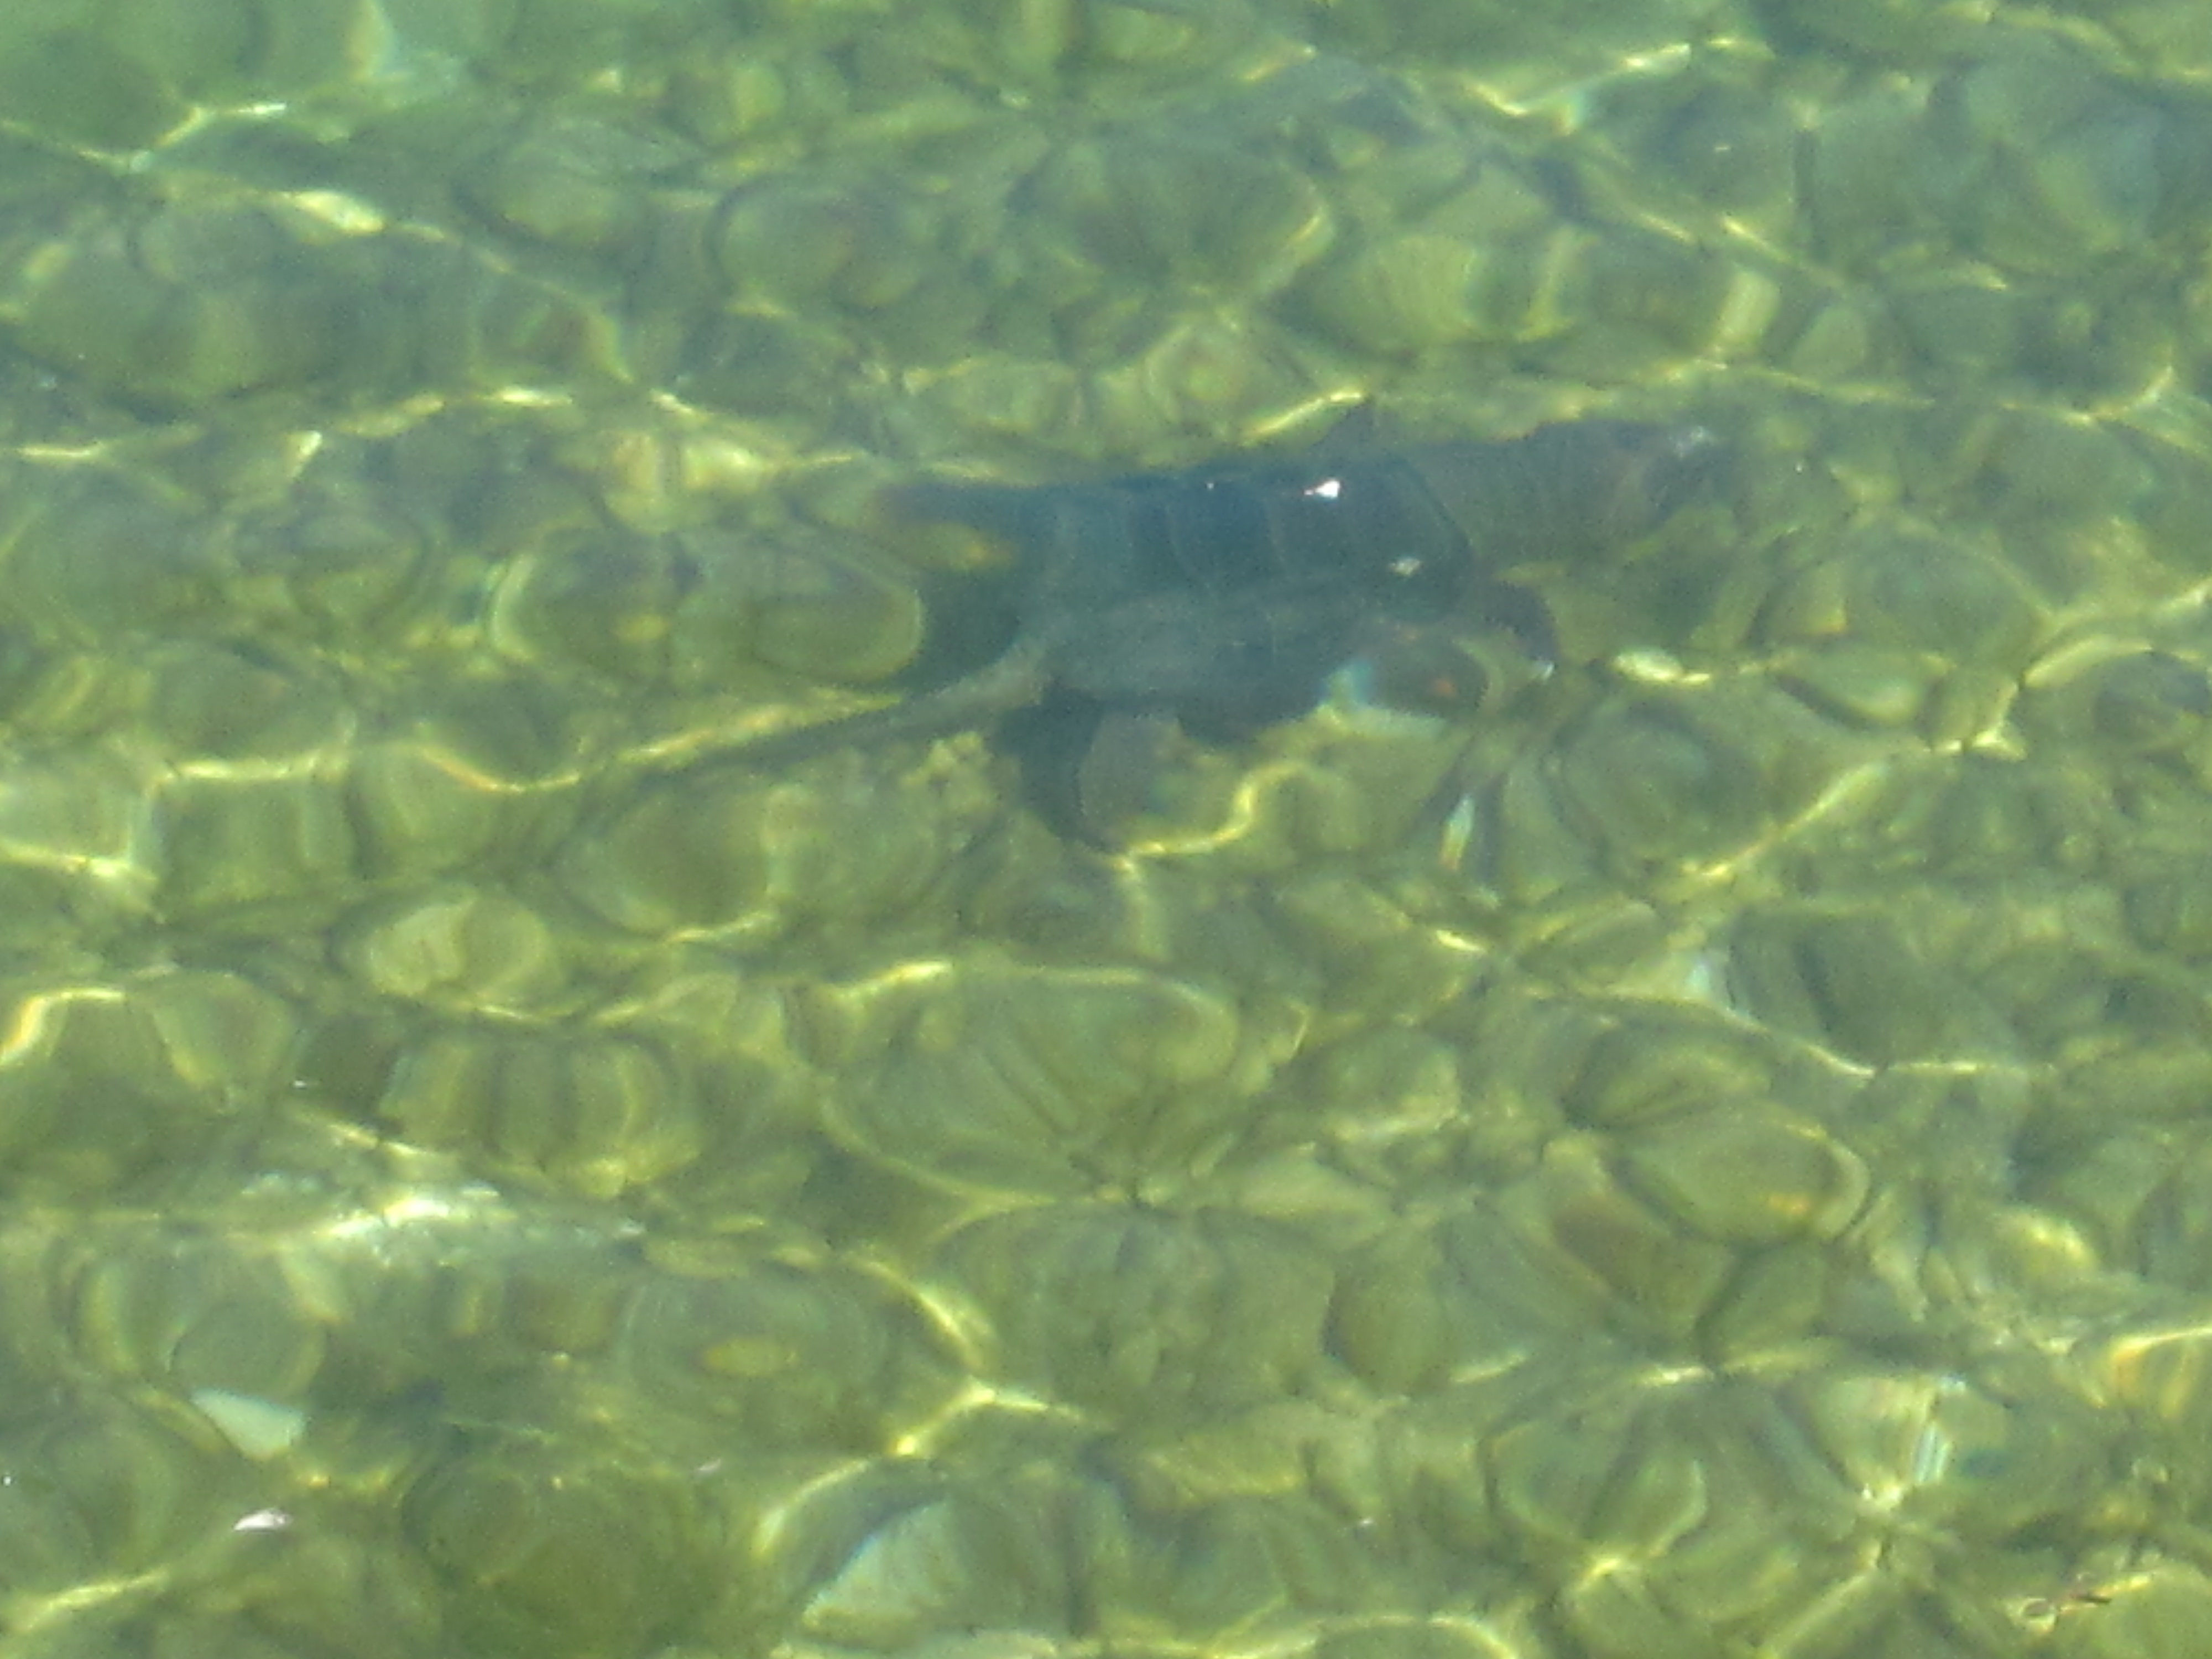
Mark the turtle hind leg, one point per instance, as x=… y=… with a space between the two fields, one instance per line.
x=1049 y=740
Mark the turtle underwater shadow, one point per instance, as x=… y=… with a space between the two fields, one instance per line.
x=1221 y=598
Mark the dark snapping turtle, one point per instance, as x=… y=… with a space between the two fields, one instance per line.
x=1223 y=597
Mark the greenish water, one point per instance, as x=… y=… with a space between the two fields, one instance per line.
x=1702 y=1151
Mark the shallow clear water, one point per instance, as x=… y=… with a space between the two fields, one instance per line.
x=1687 y=1138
